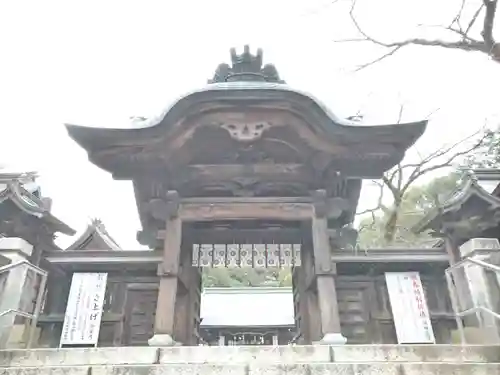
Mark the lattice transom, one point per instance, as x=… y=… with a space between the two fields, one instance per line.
x=246 y=255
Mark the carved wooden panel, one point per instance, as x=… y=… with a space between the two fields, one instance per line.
x=107 y=334
x=438 y=302
x=366 y=315
x=436 y=292
x=139 y=315
x=354 y=311
x=386 y=332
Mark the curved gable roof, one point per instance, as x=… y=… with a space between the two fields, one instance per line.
x=248 y=83
x=95 y=237
x=95 y=139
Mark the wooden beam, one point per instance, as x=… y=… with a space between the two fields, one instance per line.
x=226 y=236
x=107 y=317
x=254 y=200
x=393 y=255
x=103 y=257
x=234 y=211
x=131 y=278
x=143 y=286
x=208 y=172
x=233 y=208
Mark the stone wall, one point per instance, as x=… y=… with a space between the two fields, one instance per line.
x=291 y=360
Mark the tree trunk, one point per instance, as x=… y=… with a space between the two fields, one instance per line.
x=391 y=224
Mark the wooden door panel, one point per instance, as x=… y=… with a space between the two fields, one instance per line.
x=139 y=316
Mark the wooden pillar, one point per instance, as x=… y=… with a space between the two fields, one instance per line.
x=181 y=312
x=325 y=273
x=307 y=308
x=118 y=307
x=451 y=248
x=168 y=272
x=186 y=323
x=194 y=306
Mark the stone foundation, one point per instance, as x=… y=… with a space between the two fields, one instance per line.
x=278 y=360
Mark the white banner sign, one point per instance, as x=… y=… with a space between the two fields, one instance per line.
x=409 y=308
x=82 y=320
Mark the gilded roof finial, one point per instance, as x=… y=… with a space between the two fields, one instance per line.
x=246 y=67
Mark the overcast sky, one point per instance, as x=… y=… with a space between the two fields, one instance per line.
x=97 y=63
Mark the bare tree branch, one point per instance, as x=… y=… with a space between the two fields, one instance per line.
x=489 y=23
x=380 y=205
x=474 y=19
x=487 y=45
x=399 y=182
x=379 y=59
x=447 y=149
x=455 y=31
x=456 y=20
x=350 y=40
x=419 y=172
x=432 y=113
x=400 y=114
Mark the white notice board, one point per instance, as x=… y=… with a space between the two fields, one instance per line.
x=82 y=320
x=409 y=308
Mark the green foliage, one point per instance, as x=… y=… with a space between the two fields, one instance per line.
x=241 y=277
x=416 y=203
x=488 y=154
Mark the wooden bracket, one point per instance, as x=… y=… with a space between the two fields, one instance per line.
x=162 y=271
x=320 y=203
x=164 y=209
x=172 y=204
x=148 y=238
x=157 y=208
x=330 y=270
x=179 y=274
x=343 y=238
x=336 y=206
x=330 y=207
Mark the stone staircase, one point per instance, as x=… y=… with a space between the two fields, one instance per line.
x=292 y=360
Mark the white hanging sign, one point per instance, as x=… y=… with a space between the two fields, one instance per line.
x=82 y=320
x=409 y=308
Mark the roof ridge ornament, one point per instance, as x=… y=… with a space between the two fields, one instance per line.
x=246 y=67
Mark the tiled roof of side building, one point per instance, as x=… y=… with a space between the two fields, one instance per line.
x=22 y=190
x=94 y=237
x=463 y=206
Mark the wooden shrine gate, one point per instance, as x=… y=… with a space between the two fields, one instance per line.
x=178 y=308
x=249 y=153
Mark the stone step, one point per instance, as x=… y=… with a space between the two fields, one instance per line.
x=250 y=354
x=416 y=353
x=269 y=369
